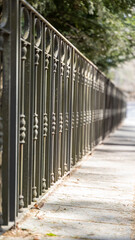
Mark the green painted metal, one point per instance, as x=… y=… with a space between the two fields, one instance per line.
x=55 y=106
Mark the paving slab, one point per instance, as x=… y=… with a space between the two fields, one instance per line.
x=95 y=202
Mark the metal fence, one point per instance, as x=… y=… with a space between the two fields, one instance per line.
x=55 y=106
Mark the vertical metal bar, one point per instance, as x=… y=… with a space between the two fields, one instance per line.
x=36 y=114
x=5 y=69
x=86 y=110
x=24 y=106
x=47 y=47
x=1 y=121
x=60 y=115
x=53 y=114
x=71 y=88
x=22 y=123
x=14 y=109
x=35 y=125
x=80 y=108
x=66 y=106
x=78 y=112
x=31 y=107
x=40 y=39
x=73 y=110
x=92 y=108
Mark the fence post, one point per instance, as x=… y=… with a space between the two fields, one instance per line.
x=14 y=108
x=4 y=108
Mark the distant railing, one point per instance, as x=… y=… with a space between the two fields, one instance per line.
x=55 y=106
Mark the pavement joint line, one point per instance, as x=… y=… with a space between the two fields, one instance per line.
x=75 y=206
x=100 y=188
x=117 y=182
x=125 y=199
x=89 y=221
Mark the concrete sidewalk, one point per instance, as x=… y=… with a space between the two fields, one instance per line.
x=95 y=202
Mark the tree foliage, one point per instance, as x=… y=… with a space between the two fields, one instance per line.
x=102 y=30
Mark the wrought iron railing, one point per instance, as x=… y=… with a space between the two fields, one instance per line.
x=55 y=106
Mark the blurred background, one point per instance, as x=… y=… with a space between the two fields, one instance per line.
x=103 y=30
x=124 y=78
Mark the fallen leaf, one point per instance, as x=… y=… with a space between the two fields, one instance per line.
x=36 y=206
x=51 y=234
